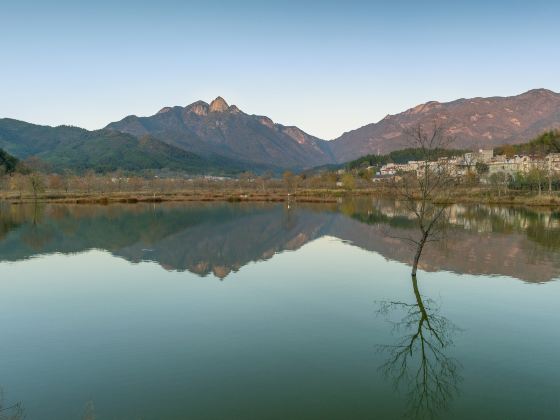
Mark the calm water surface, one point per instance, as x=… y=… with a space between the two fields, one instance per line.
x=258 y=311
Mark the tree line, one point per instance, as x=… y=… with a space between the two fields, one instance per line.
x=544 y=144
x=401 y=156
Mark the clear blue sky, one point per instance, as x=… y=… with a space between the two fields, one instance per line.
x=326 y=66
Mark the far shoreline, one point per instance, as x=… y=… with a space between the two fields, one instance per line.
x=460 y=196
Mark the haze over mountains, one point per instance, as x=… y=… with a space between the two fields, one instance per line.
x=217 y=137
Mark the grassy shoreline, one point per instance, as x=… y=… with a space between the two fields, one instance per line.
x=150 y=197
x=460 y=196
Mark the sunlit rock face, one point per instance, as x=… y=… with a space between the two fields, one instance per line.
x=199 y=108
x=219 y=105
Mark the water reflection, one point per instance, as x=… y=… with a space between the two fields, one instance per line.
x=221 y=238
x=418 y=363
x=113 y=334
x=10 y=411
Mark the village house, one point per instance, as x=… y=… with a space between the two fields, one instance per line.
x=461 y=165
x=388 y=169
x=507 y=166
x=553 y=162
x=485 y=155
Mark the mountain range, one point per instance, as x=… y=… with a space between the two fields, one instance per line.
x=77 y=149
x=221 y=138
x=473 y=123
x=223 y=130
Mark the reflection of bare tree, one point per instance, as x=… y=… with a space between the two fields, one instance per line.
x=10 y=412
x=89 y=411
x=417 y=363
x=34 y=235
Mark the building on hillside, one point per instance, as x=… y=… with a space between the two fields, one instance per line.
x=470 y=159
x=525 y=163
x=553 y=162
x=388 y=169
x=499 y=158
x=507 y=166
x=411 y=166
x=485 y=155
x=462 y=165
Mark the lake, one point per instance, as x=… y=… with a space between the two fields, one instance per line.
x=277 y=311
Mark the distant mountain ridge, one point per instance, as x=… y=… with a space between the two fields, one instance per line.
x=220 y=129
x=215 y=138
x=217 y=129
x=74 y=148
x=475 y=122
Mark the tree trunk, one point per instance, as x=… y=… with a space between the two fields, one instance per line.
x=419 y=253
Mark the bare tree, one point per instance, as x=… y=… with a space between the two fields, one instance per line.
x=18 y=183
x=289 y=181
x=88 y=181
x=264 y=179
x=432 y=181
x=36 y=183
x=348 y=181
x=499 y=180
x=246 y=180
x=55 y=182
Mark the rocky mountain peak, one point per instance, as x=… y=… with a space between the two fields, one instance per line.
x=266 y=121
x=219 y=131
x=198 y=108
x=219 y=105
x=164 y=109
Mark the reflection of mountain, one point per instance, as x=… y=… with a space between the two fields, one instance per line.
x=201 y=238
x=228 y=244
x=221 y=238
